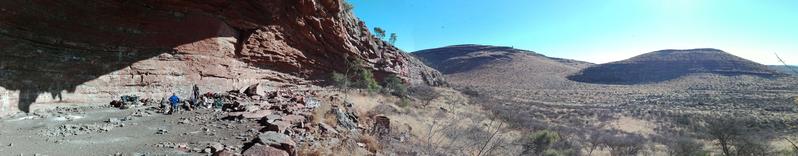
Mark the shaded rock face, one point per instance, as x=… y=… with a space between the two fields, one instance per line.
x=90 y=51
x=666 y=65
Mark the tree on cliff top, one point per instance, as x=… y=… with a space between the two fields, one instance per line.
x=379 y=32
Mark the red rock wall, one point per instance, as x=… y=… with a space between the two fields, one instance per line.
x=82 y=51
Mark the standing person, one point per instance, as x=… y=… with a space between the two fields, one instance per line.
x=175 y=101
x=195 y=94
x=165 y=105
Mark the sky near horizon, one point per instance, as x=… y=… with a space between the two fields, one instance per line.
x=597 y=31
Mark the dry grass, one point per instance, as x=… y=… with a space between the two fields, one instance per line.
x=372 y=144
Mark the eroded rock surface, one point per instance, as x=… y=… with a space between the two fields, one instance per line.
x=91 y=51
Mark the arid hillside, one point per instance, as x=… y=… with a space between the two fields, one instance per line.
x=481 y=65
x=668 y=98
x=666 y=65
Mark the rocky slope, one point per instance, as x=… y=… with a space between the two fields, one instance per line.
x=89 y=51
x=666 y=65
x=495 y=66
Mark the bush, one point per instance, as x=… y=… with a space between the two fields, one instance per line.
x=395 y=86
x=627 y=144
x=540 y=142
x=365 y=80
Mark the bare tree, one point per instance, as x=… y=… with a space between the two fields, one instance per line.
x=625 y=144
x=392 y=39
x=725 y=131
x=424 y=93
x=785 y=64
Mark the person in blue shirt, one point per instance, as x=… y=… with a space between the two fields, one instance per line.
x=175 y=101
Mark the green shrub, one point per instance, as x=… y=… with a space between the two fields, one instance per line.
x=540 y=142
x=365 y=80
x=395 y=86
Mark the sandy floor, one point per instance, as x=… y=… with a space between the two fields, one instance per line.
x=135 y=131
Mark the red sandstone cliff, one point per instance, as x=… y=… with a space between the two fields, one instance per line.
x=82 y=51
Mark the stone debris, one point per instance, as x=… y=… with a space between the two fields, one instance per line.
x=73 y=129
x=283 y=116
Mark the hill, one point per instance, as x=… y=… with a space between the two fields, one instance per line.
x=666 y=65
x=484 y=65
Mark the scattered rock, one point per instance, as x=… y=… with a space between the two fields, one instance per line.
x=311 y=102
x=162 y=131
x=257 y=114
x=347 y=120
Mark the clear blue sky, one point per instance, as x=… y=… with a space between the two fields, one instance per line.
x=593 y=30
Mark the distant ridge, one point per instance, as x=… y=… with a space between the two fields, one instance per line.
x=670 y=64
x=465 y=57
x=499 y=67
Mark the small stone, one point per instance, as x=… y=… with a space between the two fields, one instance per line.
x=215 y=146
x=114 y=121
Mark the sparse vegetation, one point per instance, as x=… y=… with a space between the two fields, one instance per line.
x=540 y=141
x=340 y=81
x=394 y=86
x=684 y=146
x=355 y=76
x=379 y=32
x=347 y=6
x=393 y=38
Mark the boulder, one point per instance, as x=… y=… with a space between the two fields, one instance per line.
x=278 y=126
x=293 y=119
x=382 y=126
x=327 y=128
x=258 y=89
x=278 y=140
x=260 y=150
x=223 y=153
